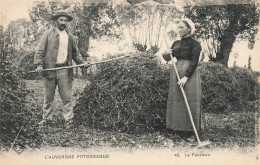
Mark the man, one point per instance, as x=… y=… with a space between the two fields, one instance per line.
x=57 y=48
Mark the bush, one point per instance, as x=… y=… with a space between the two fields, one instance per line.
x=131 y=94
x=26 y=64
x=17 y=120
x=140 y=47
x=228 y=89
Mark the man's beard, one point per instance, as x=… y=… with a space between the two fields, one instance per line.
x=62 y=27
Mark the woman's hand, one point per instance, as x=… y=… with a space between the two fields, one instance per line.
x=167 y=55
x=183 y=81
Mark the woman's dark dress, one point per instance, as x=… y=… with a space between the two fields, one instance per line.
x=187 y=52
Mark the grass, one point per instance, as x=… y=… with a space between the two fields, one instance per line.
x=223 y=130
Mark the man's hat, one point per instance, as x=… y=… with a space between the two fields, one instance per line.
x=61 y=13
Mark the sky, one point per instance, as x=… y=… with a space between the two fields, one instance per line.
x=16 y=9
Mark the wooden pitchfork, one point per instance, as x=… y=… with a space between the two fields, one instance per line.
x=80 y=65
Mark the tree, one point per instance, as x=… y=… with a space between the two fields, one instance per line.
x=24 y=34
x=147 y=22
x=235 y=61
x=249 y=62
x=91 y=20
x=221 y=25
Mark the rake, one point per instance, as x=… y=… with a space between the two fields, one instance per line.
x=200 y=143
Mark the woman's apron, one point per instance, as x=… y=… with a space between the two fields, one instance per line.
x=177 y=117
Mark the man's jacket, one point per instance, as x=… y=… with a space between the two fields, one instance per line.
x=47 y=51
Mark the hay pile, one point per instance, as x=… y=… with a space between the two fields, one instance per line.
x=128 y=94
x=131 y=94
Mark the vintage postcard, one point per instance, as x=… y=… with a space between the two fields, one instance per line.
x=129 y=82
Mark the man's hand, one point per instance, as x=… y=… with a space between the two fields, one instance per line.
x=183 y=81
x=39 y=69
x=86 y=65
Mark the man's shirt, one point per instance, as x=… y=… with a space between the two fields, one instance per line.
x=63 y=47
x=47 y=52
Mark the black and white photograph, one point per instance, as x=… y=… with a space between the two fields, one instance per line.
x=129 y=82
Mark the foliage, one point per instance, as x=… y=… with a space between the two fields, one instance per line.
x=147 y=22
x=26 y=64
x=226 y=90
x=25 y=37
x=24 y=34
x=17 y=120
x=140 y=1
x=140 y=47
x=221 y=25
x=89 y=20
x=249 y=62
x=232 y=129
x=223 y=130
x=131 y=94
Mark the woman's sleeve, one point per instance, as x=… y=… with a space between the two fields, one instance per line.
x=172 y=49
x=195 y=55
x=167 y=56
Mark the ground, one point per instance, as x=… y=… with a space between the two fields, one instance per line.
x=234 y=130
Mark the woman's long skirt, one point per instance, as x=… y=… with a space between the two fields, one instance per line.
x=177 y=117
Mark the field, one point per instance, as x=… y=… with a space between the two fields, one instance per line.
x=234 y=130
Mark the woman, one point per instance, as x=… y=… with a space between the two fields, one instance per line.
x=187 y=51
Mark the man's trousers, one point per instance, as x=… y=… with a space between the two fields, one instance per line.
x=64 y=83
